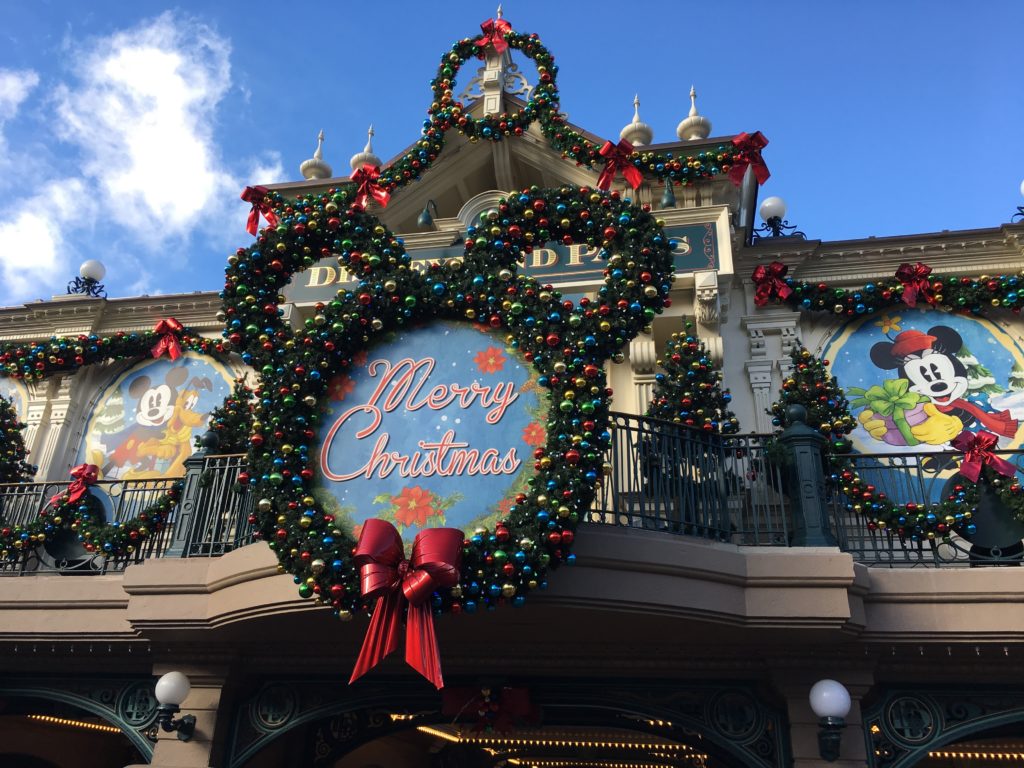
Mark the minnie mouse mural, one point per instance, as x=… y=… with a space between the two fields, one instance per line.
x=925 y=384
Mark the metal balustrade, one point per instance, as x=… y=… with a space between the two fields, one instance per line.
x=660 y=476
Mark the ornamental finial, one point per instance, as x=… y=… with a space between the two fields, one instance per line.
x=499 y=10
x=695 y=126
x=315 y=167
x=637 y=133
x=366 y=157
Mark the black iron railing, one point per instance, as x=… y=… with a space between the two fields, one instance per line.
x=672 y=478
x=924 y=477
x=121 y=500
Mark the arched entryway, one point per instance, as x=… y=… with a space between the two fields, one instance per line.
x=581 y=725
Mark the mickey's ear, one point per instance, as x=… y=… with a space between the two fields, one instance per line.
x=947 y=339
x=177 y=375
x=882 y=356
x=138 y=387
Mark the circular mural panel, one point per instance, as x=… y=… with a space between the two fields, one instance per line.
x=916 y=379
x=434 y=427
x=144 y=424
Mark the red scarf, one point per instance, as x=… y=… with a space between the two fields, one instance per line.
x=1001 y=423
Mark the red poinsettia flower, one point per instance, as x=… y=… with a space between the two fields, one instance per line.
x=504 y=507
x=534 y=434
x=414 y=505
x=359 y=358
x=490 y=360
x=340 y=386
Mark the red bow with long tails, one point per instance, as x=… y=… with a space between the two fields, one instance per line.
x=770 y=283
x=385 y=575
x=915 y=283
x=170 y=328
x=366 y=177
x=258 y=197
x=616 y=158
x=84 y=475
x=494 y=34
x=749 y=146
x=977 y=448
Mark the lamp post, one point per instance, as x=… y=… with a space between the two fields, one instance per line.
x=88 y=281
x=773 y=213
x=831 y=703
x=1020 y=208
x=425 y=220
x=171 y=690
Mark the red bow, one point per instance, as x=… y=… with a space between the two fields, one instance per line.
x=977 y=449
x=915 y=283
x=749 y=146
x=386 y=575
x=770 y=283
x=258 y=197
x=494 y=34
x=616 y=158
x=498 y=709
x=366 y=177
x=85 y=475
x=170 y=328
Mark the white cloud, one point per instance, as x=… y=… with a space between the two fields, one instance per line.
x=15 y=86
x=142 y=115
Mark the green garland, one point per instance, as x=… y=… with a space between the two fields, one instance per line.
x=567 y=343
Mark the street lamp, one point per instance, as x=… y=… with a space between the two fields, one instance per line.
x=88 y=280
x=425 y=220
x=1020 y=208
x=831 y=703
x=171 y=690
x=773 y=214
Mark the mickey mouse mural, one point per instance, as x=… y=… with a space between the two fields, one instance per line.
x=144 y=423
x=918 y=379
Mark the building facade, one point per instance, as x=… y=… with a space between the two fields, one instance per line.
x=692 y=625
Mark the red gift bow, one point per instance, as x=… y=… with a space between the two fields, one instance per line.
x=915 y=283
x=617 y=159
x=366 y=177
x=386 y=575
x=508 y=706
x=258 y=197
x=749 y=146
x=494 y=34
x=769 y=282
x=170 y=328
x=977 y=448
x=85 y=475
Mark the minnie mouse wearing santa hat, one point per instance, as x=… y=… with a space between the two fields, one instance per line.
x=928 y=361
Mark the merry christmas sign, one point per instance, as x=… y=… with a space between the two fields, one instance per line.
x=434 y=427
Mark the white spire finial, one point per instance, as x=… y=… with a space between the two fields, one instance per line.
x=637 y=132
x=366 y=157
x=315 y=167
x=499 y=10
x=696 y=126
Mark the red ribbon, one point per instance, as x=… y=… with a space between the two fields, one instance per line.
x=499 y=710
x=366 y=177
x=915 y=283
x=749 y=146
x=977 y=448
x=258 y=197
x=84 y=475
x=385 y=575
x=170 y=328
x=616 y=158
x=494 y=34
x=770 y=283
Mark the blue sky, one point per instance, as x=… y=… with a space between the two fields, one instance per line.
x=127 y=130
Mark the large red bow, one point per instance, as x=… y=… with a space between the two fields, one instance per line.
x=915 y=283
x=494 y=34
x=977 y=448
x=170 y=328
x=616 y=158
x=366 y=177
x=84 y=475
x=386 y=575
x=749 y=146
x=258 y=197
x=496 y=709
x=770 y=283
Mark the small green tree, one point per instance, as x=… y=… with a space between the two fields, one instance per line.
x=1016 y=380
x=979 y=378
x=811 y=385
x=13 y=466
x=689 y=388
x=232 y=421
